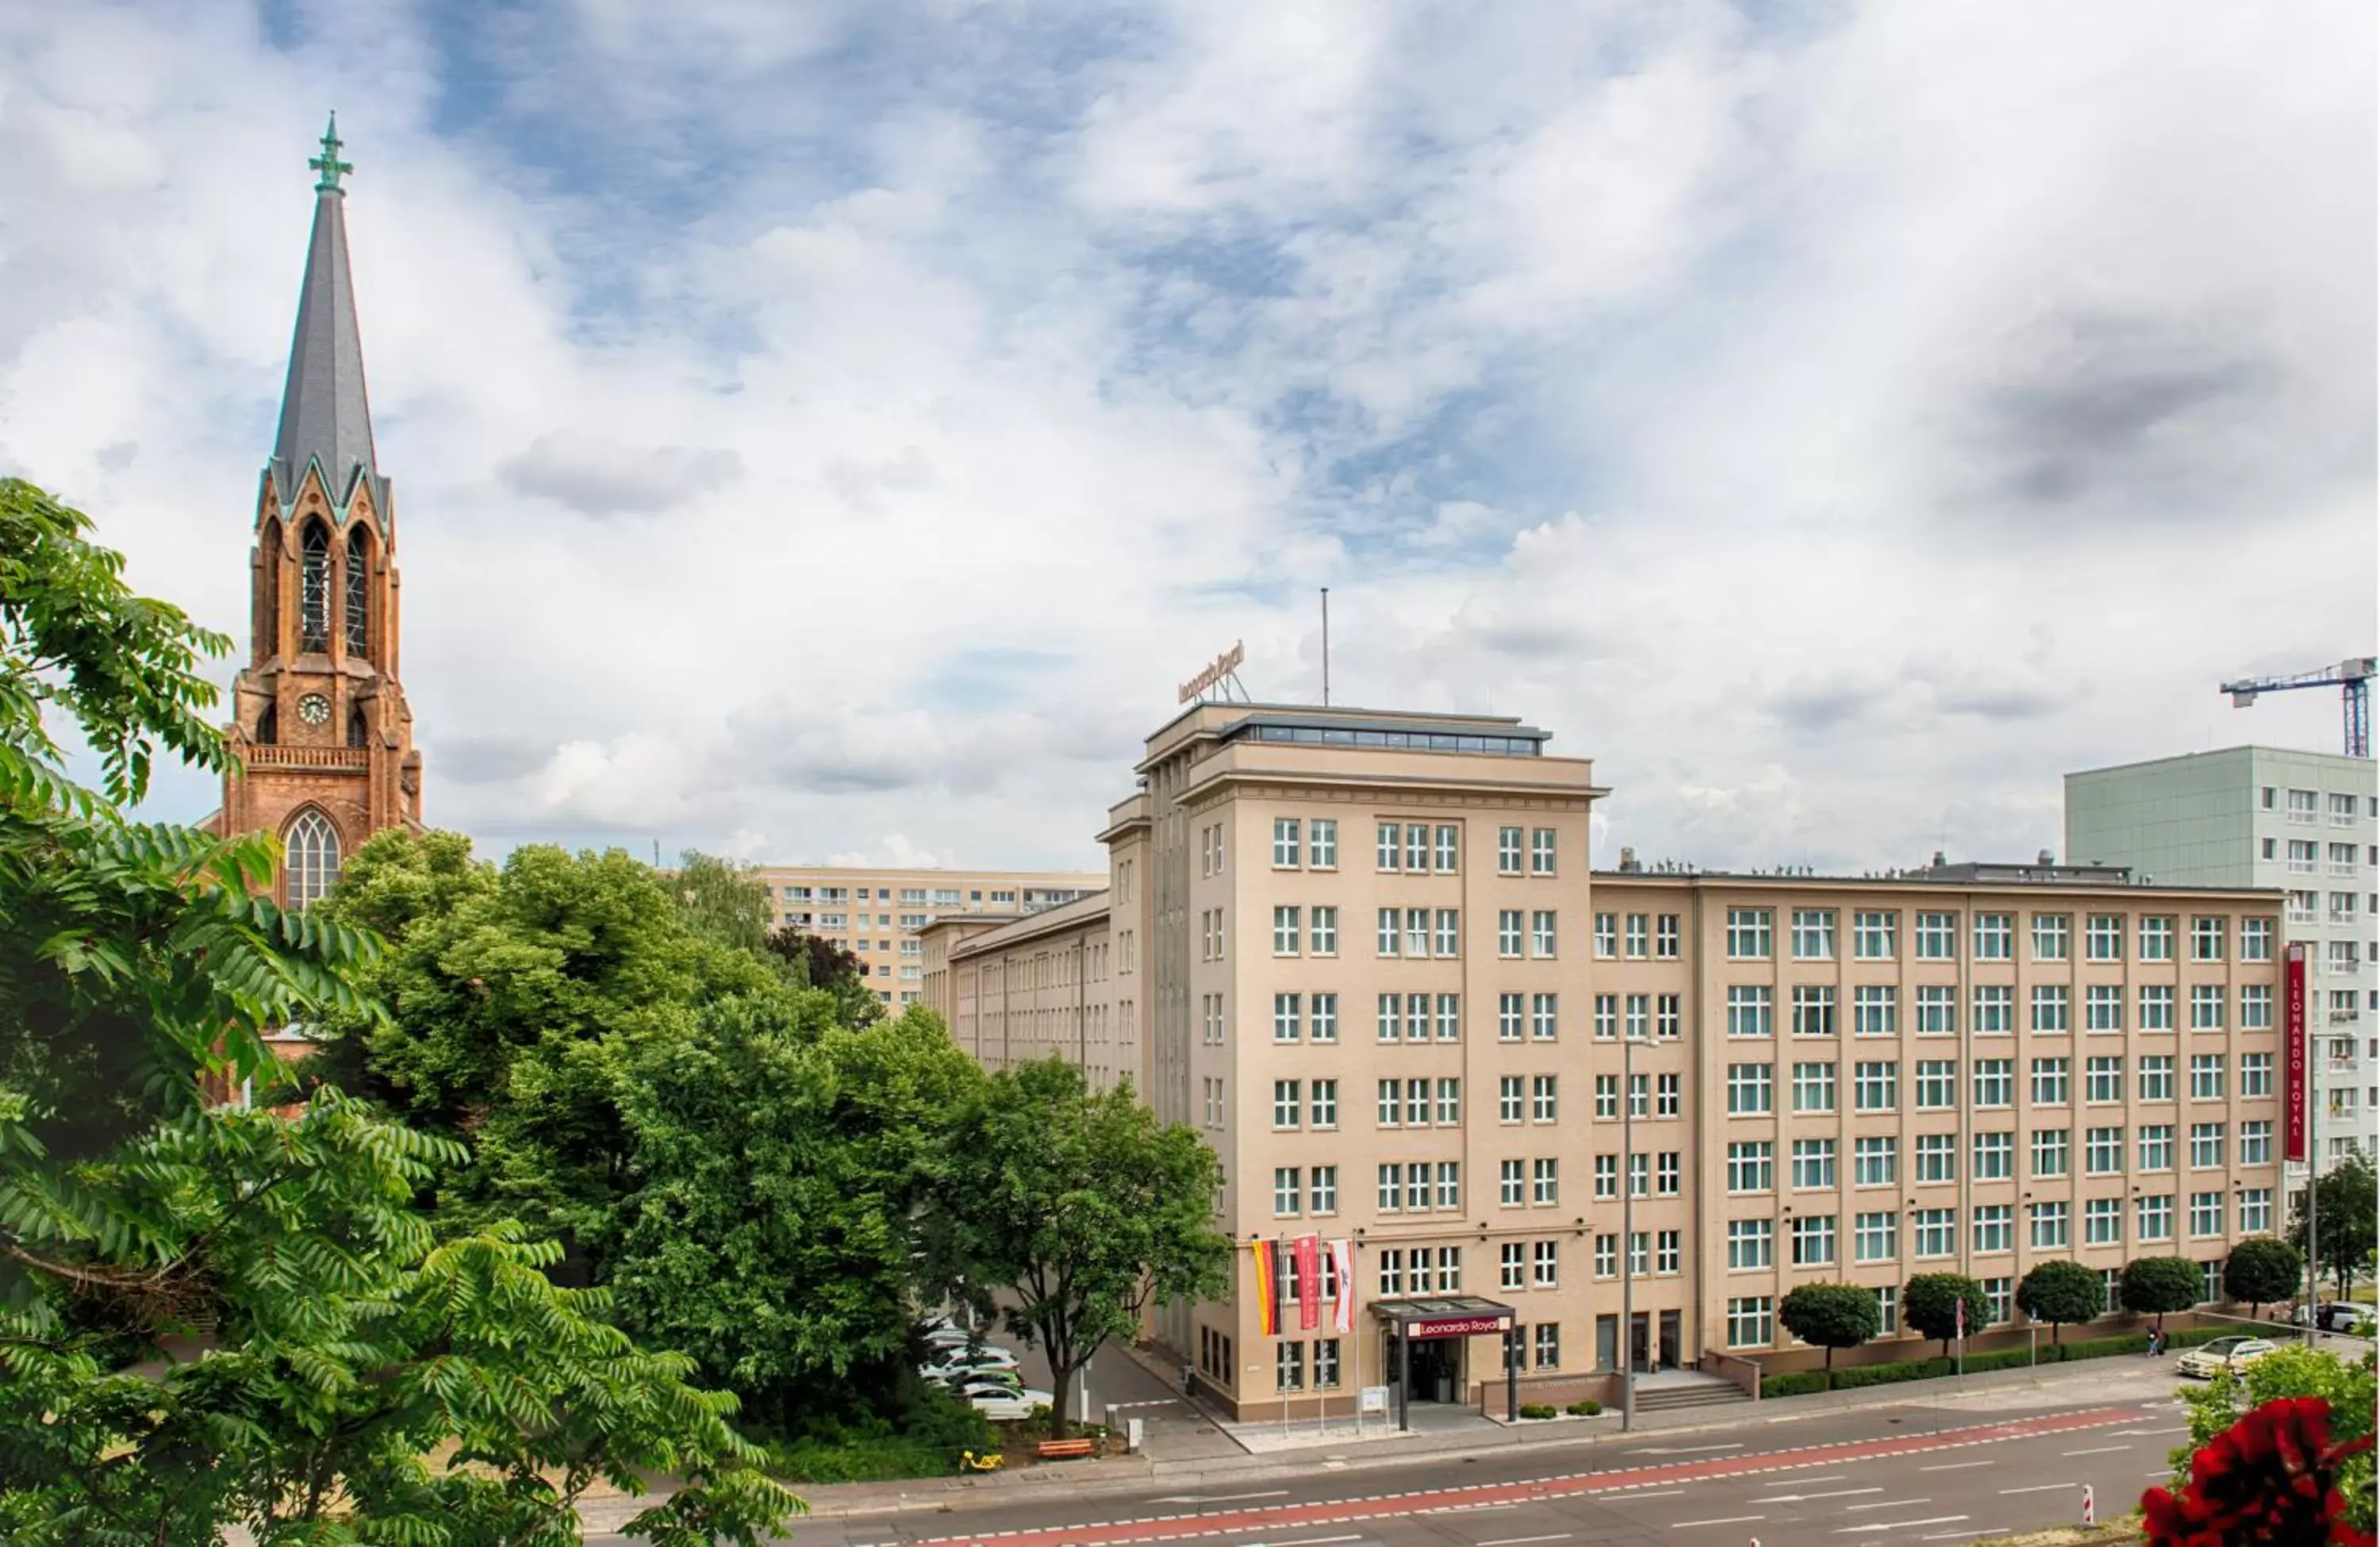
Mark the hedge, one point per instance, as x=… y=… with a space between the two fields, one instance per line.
x=1802 y=1381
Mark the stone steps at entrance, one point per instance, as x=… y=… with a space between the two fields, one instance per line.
x=1670 y=1394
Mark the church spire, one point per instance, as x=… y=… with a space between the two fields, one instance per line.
x=324 y=414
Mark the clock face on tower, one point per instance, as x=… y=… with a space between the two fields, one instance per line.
x=313 y=708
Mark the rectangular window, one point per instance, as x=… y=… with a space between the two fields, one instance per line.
x=1511 y=1184
x=1875 y=1160
x=1876 y=1010
x=1391 y=1104
x=2156 y=1007
x=1285 y=932
x=1288 y=1025
x=1544 y=1098
x=1545 y=1017
x=1669 y=1170
x=1449 y=1017
x=1548 y=1345
x=1285 y=843
x=1389 y=847
x=1323 y=1195
x=1508 y=932
x=2206 y=1077
x=2206 y=933
x=1288 y=1190
x=1450 y=1186
x=1749 y=1089
x=1390 y=930
x=2255 y=1210
x=1668 y=1025
x=1324 y=1023
x=2255 y=939
x=1324 y=933
x=1875 y=1237
x=1288 y=1102
x=2051 y=1081
x=1322 y=844
x=2102 y=1081
x=2102 y=938
x=1637 y=936
x=1995 y=936
x=1933 y=1233
x=1510 y=1013
x=1665 y=937
x=1995 y=1081
x=1393 y=1017
x=1607 y=936
x=1666 y=1250
x=2154 y=1218
x=1875 y=1087
x=1995 y=1009
x=1448 y=849
x=2049 y=1152
x=1814 y=934
x=2103 y=1007
x=1450 y=1102
x=1326 y=1364
x=1749 y=1011
x=1813 y=1087
x=1751 y=1166
x=2103 y=1151
x=1545 y=1265
x=2157 y=938
x=1937 y=1009
x=2049 y=1008
x=1873 y=936
x=2255 y=1074
x=1995 y=1228
x=1417 y=848
x=2256 y=1142
x=1416 y=1103
x=1814 y=1240
x=2103 y=1222
x=1640 y=1014
x=1447 y=929
x=1935 y=1157
x=1750 y=1244
x=1937 y=937
x=2157 y=1147
x=1814 y=1010
x=1509 y=1097
x=1814 y=1164
x=2206 y=1007
x=1994 y=1157
x=1750 y=1321
x=1545 y=1183
x=1541 y=851
x=1393 y=1273
x=2053 y=937
x=1510 y=1266
x=1748 y=934
x=1417 y=931
x=2256 y=1007
x=2205 y=1146
x=1606 y=1018
x=1541 y=934
x=2157 y=1077
x=1508 y=852
x=1322 y=1109
x=1937 y=1084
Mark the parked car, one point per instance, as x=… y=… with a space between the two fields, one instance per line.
x=2344 y=1316
x=982 y=1357
x=1003 y=1404
x=2225 y=1353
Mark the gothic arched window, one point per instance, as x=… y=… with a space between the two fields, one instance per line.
x=311 y=860
x=359 y=592
x=314 y=589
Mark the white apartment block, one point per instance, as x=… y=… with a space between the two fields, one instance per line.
x=2305 y=823
x=877 y=914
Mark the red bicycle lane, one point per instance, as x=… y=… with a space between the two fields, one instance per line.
x=1164 y=1528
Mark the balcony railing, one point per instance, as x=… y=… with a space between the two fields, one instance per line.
x=332 y=759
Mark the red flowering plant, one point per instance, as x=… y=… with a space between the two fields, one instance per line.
x=2271 y=1478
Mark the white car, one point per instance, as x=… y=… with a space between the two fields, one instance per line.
x=959 y=1361
x=1003 y=1404
x=2225 y=1353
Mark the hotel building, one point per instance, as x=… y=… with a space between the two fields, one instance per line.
x=878 y=914
x=1363 y=955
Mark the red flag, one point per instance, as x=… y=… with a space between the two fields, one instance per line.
x=1962 y=1315
x=1310 y=1282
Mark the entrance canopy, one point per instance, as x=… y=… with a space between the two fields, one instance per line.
x=1443 y=1316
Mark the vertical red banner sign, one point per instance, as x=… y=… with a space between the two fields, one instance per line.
x=2295 y=1086
x=1310 y=1282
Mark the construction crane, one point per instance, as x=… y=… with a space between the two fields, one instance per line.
x=2351 y=677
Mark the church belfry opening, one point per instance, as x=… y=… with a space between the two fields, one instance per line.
x=323 y=731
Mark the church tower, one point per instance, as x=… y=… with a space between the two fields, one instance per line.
x=322 y=730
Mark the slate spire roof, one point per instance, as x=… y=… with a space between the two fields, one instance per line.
x=324 y=414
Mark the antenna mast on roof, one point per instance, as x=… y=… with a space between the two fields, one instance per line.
x=1326 y=647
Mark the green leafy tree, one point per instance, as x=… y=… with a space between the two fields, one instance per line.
x=1832 y=1316
x=717 y=897
x=360 y=1382
x=1077 y=1207
x=2062 y=1293
x=1929 y=1305
x=2348 y=1215
x=2292 y=1371
x=818 y=962
x=782 y=1160
x=2261 y=1269
x=2154 y=1285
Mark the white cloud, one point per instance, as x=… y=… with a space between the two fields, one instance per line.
x=1835 y=422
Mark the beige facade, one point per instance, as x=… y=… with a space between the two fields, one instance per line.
x=1363 y=955
x=878 y=915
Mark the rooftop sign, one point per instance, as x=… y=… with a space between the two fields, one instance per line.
x=1222 y=666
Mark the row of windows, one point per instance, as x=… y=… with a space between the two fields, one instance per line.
x=1813 y=1241
x=1752 y=1319
x=1875 y=935
x=1438 y=1270
x=1421 y=1186
x=1876 y=1084
x=1875 y=1008
x=1403 y=847
x=2304 y=805
x=1934 y=1157
x=1418 y=933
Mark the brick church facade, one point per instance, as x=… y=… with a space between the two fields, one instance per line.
x=320 y=727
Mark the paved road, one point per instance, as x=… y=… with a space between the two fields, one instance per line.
x=1889 y=1477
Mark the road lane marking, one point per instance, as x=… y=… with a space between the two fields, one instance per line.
x=2040 y=1487
x=1515 y=1540
x=1306 y=1541
x=1957 y=1466
x=1647 y=1493
x=2096 y=1450
x=1900 y=1525
x=1724 y=1520
x=1220 y=1498
x=1888 y=1504
x=1961 y=1536
x=1830 y=1494
x=1687 y=1450
x=2182 y=1428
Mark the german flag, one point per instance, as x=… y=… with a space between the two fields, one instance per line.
x=1266 y=1288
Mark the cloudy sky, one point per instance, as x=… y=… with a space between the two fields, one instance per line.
x=833 y=430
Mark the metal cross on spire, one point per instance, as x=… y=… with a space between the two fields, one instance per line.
x=328 y=163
